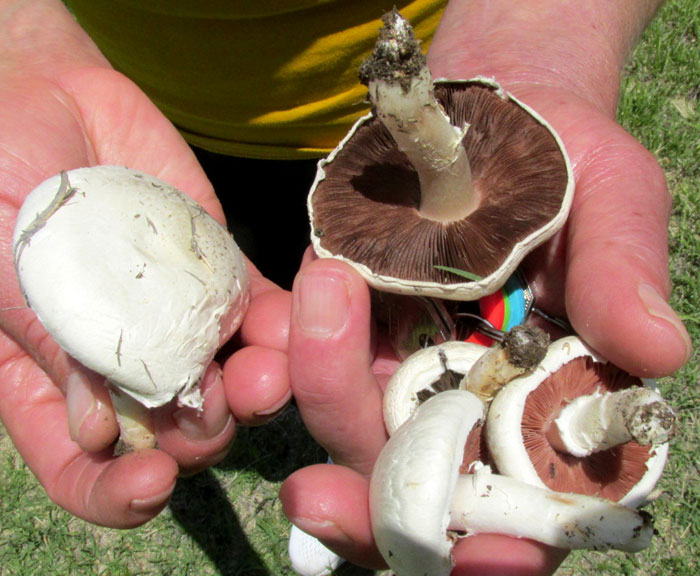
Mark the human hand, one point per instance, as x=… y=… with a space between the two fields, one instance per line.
x=339 y=365
x=607 y=271
x=76 y=111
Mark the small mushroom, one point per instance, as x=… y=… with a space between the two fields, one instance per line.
x=134 y=280
x=420 y=503
x=461 y=365
x=424 y=374
x=579 y=424
x=440 y=176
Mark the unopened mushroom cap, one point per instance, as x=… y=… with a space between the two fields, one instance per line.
x=429 y=371
x=521 y=412
x=131 y=277
x=363 y=204
x=414 y=480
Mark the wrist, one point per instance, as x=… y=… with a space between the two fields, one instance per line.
x=577 y=47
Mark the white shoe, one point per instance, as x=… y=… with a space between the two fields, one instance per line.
x=309 y=557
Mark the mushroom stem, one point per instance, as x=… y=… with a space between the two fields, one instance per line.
x=401 y=90
x=489 y=503
x=135 y=423
x=601 y=421
x=518 y=353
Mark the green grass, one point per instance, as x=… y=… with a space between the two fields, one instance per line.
x=228 y=521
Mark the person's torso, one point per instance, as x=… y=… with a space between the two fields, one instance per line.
x=271 y=79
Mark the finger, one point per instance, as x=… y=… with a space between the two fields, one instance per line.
x=617 y=278
x=308 y=257
x=266 y=322
x=257 y=384
x=122 y=492
x=330 y=363
x=197 y=438
x=331 y=503
x=493 y=554
x=256 y=377
x=91 y=420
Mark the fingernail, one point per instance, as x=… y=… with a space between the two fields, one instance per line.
x=190 y=422
x=80 y=403
x=277 y=407
x=657 y=306
x=195 y=424
x=322 y=304
x=151 y=503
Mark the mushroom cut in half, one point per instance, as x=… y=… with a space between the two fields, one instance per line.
x=441 y=176
x=133 y=279
x=580 y=424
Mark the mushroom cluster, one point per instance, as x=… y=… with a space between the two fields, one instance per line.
x=134 y=280
x=571 y=441
x=435 y=197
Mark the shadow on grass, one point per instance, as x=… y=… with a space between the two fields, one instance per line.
x=202 y=508
x=275 y=450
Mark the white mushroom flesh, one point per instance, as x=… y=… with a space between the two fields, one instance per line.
x=413 y=482
x=601 y=421
x=491 y=503
x=132 y=278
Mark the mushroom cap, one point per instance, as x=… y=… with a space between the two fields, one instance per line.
x=132 y=278
x=413 y=482
x=363 y=203
x=424 y=373
x=520 y=413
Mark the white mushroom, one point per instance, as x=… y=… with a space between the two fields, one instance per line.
x=134 y=280
x=419 y=502
x=425 y=373
x=579 y=424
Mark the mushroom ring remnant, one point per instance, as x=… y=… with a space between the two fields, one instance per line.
x=579 y=424
x=418 y=497
x=452 y=174
x=132 y=278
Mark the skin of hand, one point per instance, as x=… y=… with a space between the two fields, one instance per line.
x=73 y=110
x=607 y=270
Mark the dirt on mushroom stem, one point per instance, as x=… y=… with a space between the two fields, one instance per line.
x=397 y=56
x=525 y=346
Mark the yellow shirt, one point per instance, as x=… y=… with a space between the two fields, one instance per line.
x=255 y=78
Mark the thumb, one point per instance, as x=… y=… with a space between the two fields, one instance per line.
x=617 y=270
x=330 y=363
